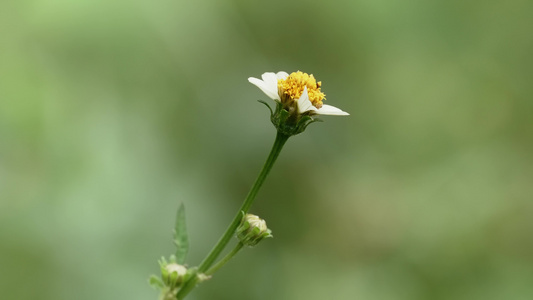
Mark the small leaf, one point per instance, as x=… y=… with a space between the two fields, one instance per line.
x=155 y=282
x=181 y=239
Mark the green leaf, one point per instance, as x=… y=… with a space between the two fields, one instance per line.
x=181 y=239
x=155 y=282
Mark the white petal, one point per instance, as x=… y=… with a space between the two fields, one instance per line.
x=270 y=78
x=304 y=104
x=331 y=110
x=270 y=89
x=282 y=75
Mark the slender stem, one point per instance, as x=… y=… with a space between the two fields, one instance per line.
x=223 y=241
x=224 y=260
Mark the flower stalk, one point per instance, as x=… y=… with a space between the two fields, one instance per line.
x=279 y=142
x=224 y=260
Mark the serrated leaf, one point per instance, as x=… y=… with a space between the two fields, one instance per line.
x=181 y=239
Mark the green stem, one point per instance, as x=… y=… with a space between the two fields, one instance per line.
x=215 y=252
x=224 y=260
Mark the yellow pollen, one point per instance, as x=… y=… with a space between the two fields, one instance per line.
x=293 y=87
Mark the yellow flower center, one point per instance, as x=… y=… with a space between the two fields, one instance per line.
x=293 y=87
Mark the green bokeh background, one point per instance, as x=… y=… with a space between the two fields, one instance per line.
x=114 y=112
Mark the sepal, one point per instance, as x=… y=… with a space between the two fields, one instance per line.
x=290 y=122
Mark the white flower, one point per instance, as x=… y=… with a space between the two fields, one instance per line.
x=297 y=89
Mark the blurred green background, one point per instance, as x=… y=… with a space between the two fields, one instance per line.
x=114 y=112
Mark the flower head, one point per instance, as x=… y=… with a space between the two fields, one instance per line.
x=299 y=92
x=298 y=99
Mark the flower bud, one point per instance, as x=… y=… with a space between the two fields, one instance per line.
x=252 y=230
x=172 y=273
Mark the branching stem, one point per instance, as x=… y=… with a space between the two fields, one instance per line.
x=224 y=260
x=230 y=231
